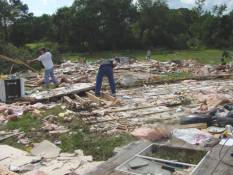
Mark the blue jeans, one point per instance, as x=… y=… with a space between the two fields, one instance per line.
x=105 y=70
x=49 y=73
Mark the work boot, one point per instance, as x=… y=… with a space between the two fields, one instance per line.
x=97 y=95
x=113 y=95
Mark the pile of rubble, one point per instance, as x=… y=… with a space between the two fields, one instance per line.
x=16 y=110
x=134 y=107
x=146 y=106
x=128 y=72
x=46 y=159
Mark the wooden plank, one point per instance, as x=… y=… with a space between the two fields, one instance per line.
x=84 y=104
x=79 y=99
x=227 y=159
x=211 y=161
x=225 y=165
x=94 y=98
x=105 y=98
x=62 y=91
x=108 y=97
x=223 y=169
x=70 y=102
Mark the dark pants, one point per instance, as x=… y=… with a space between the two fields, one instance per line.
x=105 y=70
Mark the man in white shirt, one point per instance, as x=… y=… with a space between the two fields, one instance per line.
x=46 y=59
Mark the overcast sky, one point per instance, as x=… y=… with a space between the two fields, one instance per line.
x=208 y=4
x=39 y=7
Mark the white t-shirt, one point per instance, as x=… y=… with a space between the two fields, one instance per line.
x=46 y=60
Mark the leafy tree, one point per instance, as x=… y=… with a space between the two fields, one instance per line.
x=64 y=27
x=220 y=32
x=118 y=24
x=219 y=10
x=199 y=7
x=10 y=11
x=153 y=16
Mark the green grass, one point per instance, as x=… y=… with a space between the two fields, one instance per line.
x=24 y=123
x=100 y=147
x=13 y=141
x=35 y=46
x=53 y=111
x=176 y=75
x=205 y=56
x=31 y=126
x=182 y=155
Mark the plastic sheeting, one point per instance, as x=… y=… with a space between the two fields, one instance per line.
x=192 y=135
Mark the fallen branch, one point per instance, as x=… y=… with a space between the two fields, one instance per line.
x=16 y=61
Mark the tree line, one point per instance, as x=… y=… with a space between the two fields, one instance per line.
x=95 y=25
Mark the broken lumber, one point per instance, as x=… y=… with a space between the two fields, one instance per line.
x=79 y=99
x=94 y=98
x=63 y=91
x=70 y=102
x=84 y=104
x=108 y=97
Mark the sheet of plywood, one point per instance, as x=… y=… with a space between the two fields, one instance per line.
x=63 y=91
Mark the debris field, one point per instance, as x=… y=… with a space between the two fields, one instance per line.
x=156 y=97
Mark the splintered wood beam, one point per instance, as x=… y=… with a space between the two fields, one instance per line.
x=69 y=101
x=105 y=100
x=108 y=97
x=83 y=103
x=79 y=99
x=94 y=98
